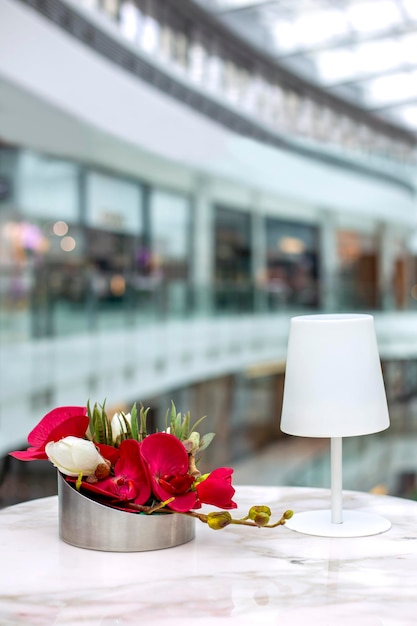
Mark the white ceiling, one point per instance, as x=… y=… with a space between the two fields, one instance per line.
x=362 y=50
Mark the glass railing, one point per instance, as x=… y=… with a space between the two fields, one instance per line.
x=27 y=313
x=380 y=462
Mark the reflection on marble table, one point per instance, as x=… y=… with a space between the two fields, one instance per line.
x=229 y=577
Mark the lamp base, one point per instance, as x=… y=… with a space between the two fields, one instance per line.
x=355 y=524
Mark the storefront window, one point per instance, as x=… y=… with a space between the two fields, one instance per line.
x=40 y=241
x=292 y=264
x=113 y=204
x=170 y=228
x=358 y=269
x=47 y=187
x=114 y=219
x=233 y=259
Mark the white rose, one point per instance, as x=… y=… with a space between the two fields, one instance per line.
x=118 y=425
x=73 y=456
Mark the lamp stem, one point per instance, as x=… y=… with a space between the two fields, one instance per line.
x=336 y=479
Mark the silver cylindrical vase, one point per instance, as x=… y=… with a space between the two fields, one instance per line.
x=88 y=524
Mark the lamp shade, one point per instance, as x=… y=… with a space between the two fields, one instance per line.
x=333 y=379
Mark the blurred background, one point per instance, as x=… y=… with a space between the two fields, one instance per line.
x=178 y=179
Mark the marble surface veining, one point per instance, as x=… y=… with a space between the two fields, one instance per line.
x=236 y=576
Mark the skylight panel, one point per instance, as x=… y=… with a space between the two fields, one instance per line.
x=410 y=7
x=376 y=56
x=377 y=15
x=337 y=65
x=299 y=29
x=362 y=50
x=285 y=35
x=407 y=114
x=409 y=47
x=320 y=26
x=393 y=88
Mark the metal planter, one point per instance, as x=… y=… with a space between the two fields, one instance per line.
x=88 y=524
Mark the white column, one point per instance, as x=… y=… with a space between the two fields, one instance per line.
x=258 y=243
x=386 y=265
x=202 y=246
x=328 y=261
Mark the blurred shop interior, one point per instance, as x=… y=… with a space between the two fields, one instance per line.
x=177 y=180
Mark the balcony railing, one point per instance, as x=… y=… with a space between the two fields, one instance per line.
x=29 y=312
x=180 y=50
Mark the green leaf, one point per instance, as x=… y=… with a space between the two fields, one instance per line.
x=186 y=426
x=175 y=422
x=173 y=413
x=205 y=441
x=134 y=422
x=101 y=425
x=125 y=428
x=143 y=414
x=91 y=421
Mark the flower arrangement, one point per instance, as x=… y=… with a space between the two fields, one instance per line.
x=118 y=463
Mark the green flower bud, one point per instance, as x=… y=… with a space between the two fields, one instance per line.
x=192 y=443
x=219 y=519
x=195 y=440
x=260 y=515
x=288 y=514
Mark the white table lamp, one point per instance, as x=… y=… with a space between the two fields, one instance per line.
x=334 y=388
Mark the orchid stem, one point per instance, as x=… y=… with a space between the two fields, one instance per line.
x=204 y=518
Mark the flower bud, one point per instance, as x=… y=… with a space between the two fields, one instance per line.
x=260 y=515
x=103 y=470
x=195 y=440
x=288 y=514
x=74 y=456
x=219 y=519
x=118 y=425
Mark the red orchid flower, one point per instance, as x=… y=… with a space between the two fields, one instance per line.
x=110 y=453
x=167 y=461
x=130 y=482
x=57 y=424
x=217 y=489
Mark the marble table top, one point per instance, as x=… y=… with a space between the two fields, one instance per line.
x=236 y=576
